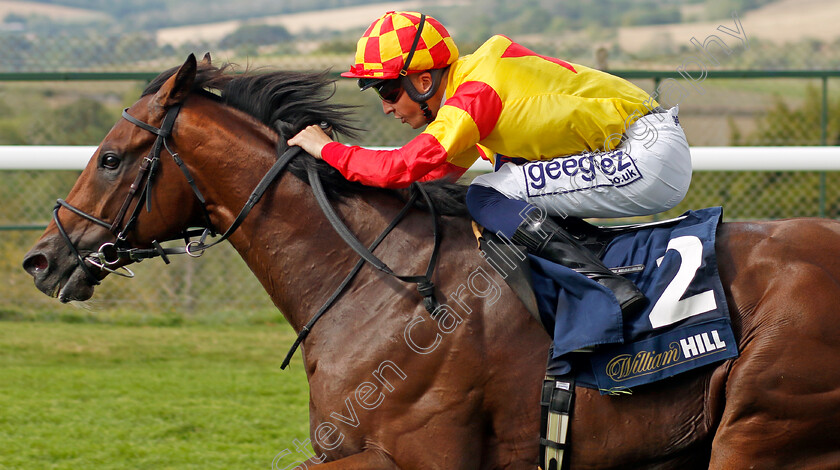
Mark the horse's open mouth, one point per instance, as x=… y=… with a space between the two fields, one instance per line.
x=75 y=287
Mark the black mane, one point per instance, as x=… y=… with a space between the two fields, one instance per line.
x=289 y=101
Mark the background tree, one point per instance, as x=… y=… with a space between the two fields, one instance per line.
x=255 y=35
x=783 y=124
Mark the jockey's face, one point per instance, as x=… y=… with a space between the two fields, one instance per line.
x=407 y=110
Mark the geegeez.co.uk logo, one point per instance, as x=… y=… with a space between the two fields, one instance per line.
x=576 y=173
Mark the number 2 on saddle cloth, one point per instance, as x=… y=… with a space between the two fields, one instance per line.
x=684 y=325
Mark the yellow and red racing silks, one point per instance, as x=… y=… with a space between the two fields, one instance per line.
x=504 y=99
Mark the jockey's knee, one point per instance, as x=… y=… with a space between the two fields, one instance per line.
x=495 y=211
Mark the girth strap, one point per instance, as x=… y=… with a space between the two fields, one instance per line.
x=510 y=261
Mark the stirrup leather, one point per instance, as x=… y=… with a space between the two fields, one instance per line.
x=556 y=410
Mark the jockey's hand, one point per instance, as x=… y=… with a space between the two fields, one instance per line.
x=312 y=139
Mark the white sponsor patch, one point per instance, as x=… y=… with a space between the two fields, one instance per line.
x=580 y=172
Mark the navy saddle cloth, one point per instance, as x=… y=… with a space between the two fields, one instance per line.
x=684 y=325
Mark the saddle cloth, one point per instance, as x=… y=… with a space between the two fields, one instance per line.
x=684 y=325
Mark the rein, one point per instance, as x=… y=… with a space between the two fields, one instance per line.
x=110 y=254
x=424 y=282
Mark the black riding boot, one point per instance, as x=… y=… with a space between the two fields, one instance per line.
x=548 y=240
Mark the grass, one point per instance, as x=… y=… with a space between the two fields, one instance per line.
x=52 y=311
x=99 y=396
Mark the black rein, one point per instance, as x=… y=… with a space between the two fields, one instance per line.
x=424 y=282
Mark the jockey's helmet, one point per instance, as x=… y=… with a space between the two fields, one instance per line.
x=401 y=43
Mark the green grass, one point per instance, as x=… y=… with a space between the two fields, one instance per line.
x=88 y=396
x=52 y=311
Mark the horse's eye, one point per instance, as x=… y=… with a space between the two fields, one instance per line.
x=110 y=162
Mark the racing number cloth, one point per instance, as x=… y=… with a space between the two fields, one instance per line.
x=685 y=324
x=504 y=99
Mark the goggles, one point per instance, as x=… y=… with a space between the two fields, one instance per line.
x=389 y=91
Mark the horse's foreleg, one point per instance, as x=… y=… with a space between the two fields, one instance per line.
x=367 y=460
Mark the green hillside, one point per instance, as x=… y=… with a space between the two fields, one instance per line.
x=153 y=14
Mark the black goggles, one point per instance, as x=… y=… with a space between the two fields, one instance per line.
x=389 y=91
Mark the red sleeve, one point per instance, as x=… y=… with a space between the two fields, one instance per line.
x=387 y=168
x=465 y=119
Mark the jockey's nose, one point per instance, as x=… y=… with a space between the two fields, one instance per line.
x=387 y=108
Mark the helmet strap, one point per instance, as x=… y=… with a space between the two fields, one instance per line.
x=409 y=88
x=404 y=70
x=427 y=113
x=414 y=94
x=421 y=98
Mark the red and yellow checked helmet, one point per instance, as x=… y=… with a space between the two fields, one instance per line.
x=385 y=50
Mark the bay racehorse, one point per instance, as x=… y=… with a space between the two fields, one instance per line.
x=392 y=388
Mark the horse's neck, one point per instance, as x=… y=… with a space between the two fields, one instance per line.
x=285 y=240
x=294 y=251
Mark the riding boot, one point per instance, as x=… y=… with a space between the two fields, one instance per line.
x=548 y=240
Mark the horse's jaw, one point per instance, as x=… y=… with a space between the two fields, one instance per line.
x=57 y=274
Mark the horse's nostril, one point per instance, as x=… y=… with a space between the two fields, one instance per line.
x=35 y=263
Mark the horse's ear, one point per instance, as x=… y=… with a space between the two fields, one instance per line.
x=177 y=87
x=206 y=61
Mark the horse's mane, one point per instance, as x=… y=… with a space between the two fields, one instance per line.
x=289 y=101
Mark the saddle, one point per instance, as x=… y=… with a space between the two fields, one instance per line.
x=503 y=252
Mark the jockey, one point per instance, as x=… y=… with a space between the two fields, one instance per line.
x=565 y=140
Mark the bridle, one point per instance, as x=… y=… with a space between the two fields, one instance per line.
x=110 y=254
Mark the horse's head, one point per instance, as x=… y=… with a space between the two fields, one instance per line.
x=127 y=197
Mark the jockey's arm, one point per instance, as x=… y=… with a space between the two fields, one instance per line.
x=445 y=144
